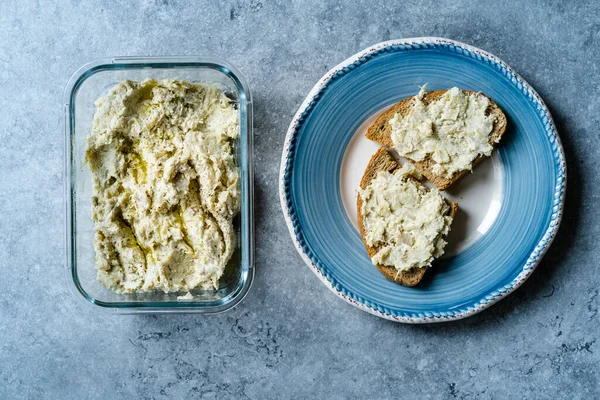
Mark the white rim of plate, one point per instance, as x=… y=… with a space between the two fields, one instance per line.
x=536 y=255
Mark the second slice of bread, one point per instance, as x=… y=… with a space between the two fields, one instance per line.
x=383 y=161
x=381 y=132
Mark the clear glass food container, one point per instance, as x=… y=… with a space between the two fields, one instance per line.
x=85 y=86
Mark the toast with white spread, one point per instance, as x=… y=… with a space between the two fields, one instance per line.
x=443 y=133
x=403 y=224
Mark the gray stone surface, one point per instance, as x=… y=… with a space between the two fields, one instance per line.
x=291 y=337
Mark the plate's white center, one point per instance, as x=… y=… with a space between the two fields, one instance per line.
x=479 y=195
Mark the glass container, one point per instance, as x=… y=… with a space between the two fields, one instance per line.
x=85 y=86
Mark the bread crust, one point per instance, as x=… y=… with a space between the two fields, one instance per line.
x=383 y=161
x=381 y=132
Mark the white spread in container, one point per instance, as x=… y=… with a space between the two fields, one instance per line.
x=404 y=219
x=453 y=130
x=187 y=296
x=165 y=185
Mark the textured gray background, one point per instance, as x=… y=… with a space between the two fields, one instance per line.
x=291 y=337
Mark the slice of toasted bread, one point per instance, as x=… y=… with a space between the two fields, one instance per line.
x=383 y=161
x=381 y=132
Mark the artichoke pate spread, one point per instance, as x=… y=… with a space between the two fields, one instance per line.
x=404 y=219
x=453 y=130
x=165 y=185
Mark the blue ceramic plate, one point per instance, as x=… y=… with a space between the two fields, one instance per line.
x=511 y=205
